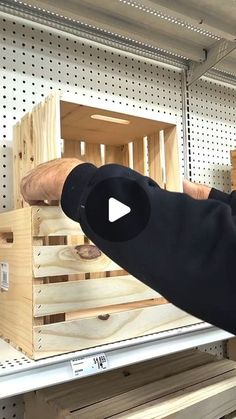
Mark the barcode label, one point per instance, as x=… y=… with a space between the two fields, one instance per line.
x=4 y=268
x=82 y=367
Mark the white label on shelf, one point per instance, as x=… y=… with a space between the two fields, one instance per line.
x=90 y=365
x=4 y=269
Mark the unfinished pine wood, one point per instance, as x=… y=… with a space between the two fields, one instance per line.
x=35 y=408
x=39 y=321
x=26 y=144
x=70 y=296
x=121 y=380
x=95 y=275
x=93 y=331
x=17 y=162
x=231 y=349
x=76 y=123
x=210 y=399
x=155 y=160
x=233 y=158
x=117 y=308
x=66 y=260
x=23 y=155
x=71 y=148
x=63 y=398
x=93 y=154
x=16 y=322
x=51 y=221
x=117 y=154
x=139 y=156
x=46 y=129
x=155 y=391
x=233 y=178
x=173 y=180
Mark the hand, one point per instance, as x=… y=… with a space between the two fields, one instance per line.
x=45 y=182
x=195 y=190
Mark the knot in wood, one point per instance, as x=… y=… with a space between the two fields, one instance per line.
x=104 y=316
x=88 y=251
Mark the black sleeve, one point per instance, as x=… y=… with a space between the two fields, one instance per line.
x=186 y=252
x=229 y=199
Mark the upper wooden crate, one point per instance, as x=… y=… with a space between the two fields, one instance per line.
x=57 y=127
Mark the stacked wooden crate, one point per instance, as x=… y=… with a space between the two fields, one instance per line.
x=233 y=171
x=181 y=386
x=59 y=299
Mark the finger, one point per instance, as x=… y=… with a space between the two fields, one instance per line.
x=37 y=203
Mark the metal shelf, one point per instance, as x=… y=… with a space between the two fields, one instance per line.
x=19 y=374
x=190 y=34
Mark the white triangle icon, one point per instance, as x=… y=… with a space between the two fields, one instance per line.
x=116 y=209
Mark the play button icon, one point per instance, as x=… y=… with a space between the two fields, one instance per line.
x=116 y=210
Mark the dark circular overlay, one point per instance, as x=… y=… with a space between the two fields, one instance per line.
x=127 y=191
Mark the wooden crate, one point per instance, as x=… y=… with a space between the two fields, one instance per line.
x=181 y=386
x=64 y=294
x=147 y=145
x=49 y=310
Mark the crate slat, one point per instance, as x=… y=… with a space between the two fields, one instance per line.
x=17 y=163
x=210 y=399
x=155 y=160
x=78 y=295
x=93 y=331
x=139 y=153
x=65 y=260
x=173 y=180
x=117 y=308
x=155 y=391
x=233 y=158
x=46 y=133
x=51 y=221
x=117 y=154
x=93 y=154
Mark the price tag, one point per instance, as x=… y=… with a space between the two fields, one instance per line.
x=82 y=367
x=4 y=276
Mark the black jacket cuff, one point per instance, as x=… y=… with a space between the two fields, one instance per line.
x=219 y=196
x=75 y=183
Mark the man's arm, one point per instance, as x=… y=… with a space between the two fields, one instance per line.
x=186 y=251
x=197 y=191
x=229 y=199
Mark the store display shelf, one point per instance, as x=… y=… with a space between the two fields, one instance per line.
x=19 y=374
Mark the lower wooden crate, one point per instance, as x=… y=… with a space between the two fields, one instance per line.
x=187 y=385
x=65 y=297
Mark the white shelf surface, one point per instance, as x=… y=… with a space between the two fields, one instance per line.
x=19 y=374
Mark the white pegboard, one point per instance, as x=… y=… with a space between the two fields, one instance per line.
x=35 y=61
x=215 y=348
x=212 y=133
x=12 y=408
